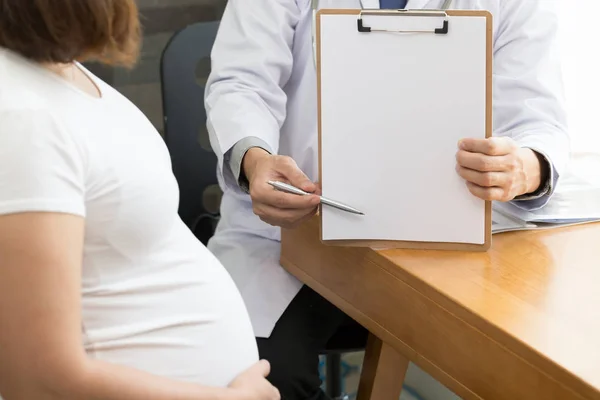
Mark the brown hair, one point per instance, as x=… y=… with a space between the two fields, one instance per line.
x=62 y=31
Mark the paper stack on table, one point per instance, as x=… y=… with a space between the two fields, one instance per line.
x=575 y=201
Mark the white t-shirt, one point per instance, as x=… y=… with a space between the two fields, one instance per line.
x=153 y=297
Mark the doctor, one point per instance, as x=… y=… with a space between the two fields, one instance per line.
x=262 y=119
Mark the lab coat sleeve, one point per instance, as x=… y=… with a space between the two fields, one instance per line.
x=251 y=63
x=528 y=91
x=235 y=157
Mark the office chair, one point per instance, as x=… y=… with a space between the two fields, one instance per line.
x=185 y=61
x=185 y=65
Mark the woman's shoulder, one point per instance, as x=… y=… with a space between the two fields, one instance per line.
x=29 y=128
x=23 y=106
x=19 y=90
x=29 y=118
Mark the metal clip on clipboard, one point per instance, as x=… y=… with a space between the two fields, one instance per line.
x=404 y=13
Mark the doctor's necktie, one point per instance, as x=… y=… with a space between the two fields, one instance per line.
x=392 y=4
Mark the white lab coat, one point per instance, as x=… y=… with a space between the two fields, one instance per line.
x=263 y=84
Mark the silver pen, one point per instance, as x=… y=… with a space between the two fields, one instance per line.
x=284 y=187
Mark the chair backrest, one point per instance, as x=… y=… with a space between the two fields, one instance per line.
x=185 y=66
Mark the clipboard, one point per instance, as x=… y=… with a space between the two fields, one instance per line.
x=387 y=140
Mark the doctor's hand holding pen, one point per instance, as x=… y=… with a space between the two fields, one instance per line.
x=273 y=206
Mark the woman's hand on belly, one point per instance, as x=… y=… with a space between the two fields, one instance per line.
x=253 y=385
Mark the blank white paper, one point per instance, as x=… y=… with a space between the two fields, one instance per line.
x=393 y=108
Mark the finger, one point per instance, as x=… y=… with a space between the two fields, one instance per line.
x=283 y=218
x=483 y=179
x=319 y=190
x=289 y=169
x=491 y=194
x=308 y=216
x=285 y=201
x=482 y=162
x=262 y=367
x=494 y=146
x=285 y=222
x=276 y=394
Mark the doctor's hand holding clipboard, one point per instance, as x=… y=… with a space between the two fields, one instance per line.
x=497 y=168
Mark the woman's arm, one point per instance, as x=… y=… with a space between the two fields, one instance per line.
x=40 y=335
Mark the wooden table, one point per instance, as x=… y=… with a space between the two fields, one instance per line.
x=521 y=321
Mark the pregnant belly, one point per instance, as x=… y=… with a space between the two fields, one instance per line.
x=205 y=355
x=198 y=331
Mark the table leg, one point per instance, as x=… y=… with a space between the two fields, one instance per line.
x=382 y=373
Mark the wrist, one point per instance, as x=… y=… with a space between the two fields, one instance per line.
x=251 y=159
x=533 y=165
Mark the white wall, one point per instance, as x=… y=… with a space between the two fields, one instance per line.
x=580 y=50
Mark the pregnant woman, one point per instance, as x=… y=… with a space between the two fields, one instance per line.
x=104 y=292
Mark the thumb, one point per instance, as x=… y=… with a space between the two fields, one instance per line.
x=296 y=177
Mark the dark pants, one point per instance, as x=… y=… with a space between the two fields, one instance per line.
x=301 y=334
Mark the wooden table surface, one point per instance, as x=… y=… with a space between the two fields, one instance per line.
x=521 y=321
